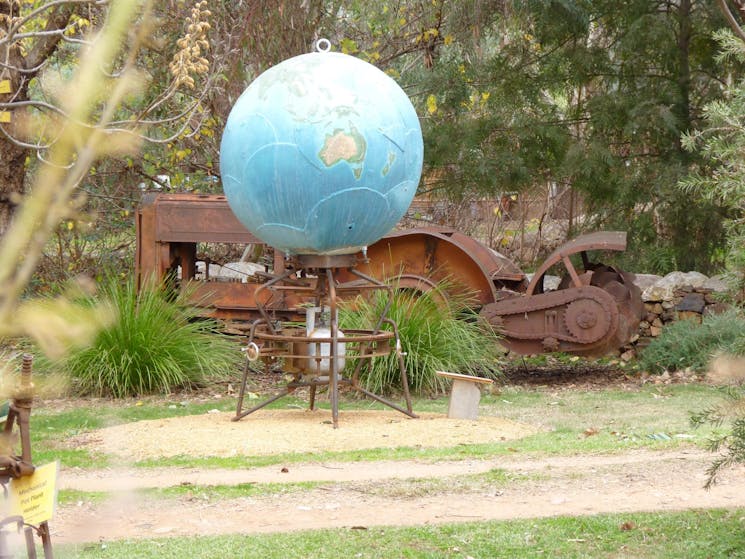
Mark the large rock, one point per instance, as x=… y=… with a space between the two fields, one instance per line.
x=664 y=289
x=716 y=283
x=681 y=279
x=643 y=281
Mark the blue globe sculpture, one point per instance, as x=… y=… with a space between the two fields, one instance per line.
x=321 y=154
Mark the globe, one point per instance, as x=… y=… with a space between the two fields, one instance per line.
x=321 y=154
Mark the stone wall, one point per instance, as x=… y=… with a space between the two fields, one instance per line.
x=676 y=296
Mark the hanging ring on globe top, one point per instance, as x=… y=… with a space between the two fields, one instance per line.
x=323 y=45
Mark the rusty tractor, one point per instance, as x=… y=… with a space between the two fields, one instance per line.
x=595 y=309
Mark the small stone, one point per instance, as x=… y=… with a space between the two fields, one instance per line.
x=657 y=293
x=693 y=302
x=628 y=355
x=668 y=315
x=690 y=316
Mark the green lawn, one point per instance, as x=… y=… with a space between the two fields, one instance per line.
x=705 y=534
x=571 y=422
x=617 y=419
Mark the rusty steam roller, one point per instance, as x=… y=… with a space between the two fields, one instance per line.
x=320 y=158
x=531 y=318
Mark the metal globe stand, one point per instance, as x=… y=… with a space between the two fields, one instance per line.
x=301 y=355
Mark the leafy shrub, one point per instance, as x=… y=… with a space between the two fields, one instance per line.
x=155 y=345
x=683 y=344
x=437 y=333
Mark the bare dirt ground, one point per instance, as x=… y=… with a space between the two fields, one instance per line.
x=362 y=495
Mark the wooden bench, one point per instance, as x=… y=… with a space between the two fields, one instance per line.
x=465 y=395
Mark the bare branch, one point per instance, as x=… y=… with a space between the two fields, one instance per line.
x=42 y=48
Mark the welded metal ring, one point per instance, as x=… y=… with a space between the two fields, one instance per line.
x=252 y=351
x=323 y=45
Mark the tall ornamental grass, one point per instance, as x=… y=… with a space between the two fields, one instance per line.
x=437 y=333
x=156 y=344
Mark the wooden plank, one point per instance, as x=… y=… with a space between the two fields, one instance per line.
x=469 y=378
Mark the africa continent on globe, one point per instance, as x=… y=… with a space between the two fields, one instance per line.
x=321 y=154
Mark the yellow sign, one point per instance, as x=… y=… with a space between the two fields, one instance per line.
x=4 y=117
x=34 y=497
x=4 y=86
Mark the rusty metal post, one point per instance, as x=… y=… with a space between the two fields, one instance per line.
x=28 y=533
x=46 y=540
x=22 y=402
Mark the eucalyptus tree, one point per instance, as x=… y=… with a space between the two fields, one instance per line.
x=719 y=143
x=41 y=44
x=590 y=96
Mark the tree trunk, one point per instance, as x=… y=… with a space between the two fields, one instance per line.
x=12 y=173
x=19 y=68
x=12 y=155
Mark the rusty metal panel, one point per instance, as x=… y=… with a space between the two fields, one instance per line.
x=146 y=252
x=198 y=218
x=428 y=256
x=496 y=265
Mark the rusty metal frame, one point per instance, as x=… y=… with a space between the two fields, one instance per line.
x=170 y=225
x=370 y=343
x=600 y=240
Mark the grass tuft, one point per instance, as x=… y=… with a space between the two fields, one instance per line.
x=437 y=332
x=155 y=346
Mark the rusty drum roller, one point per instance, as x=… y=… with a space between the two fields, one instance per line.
x=595 y=309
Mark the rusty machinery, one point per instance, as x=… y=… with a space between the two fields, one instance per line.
x=595 y=309
x=13 y=466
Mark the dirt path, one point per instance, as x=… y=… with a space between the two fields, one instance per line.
x=366 y=494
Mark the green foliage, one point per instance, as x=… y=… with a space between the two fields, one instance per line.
x=720 y=178
x=731 y=444
x=155 y=345
x=588 y=96
x=683 y=344
x=437 y=333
